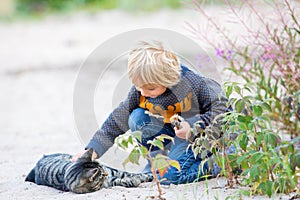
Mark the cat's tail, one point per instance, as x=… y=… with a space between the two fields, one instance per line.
x=31 y=176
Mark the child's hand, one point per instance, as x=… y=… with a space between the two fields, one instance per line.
x=78 y=155
x=184 y=130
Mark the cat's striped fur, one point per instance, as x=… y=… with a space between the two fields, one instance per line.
x=82 y=176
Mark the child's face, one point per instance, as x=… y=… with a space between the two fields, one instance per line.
x=151 y=90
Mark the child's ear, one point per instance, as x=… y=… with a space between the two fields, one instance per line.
x=87 y=156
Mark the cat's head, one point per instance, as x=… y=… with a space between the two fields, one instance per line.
x=85 y=175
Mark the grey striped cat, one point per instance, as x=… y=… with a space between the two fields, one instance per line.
x=82 y=176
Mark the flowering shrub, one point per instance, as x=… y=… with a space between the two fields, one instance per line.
x=266 y=98
x=269 y=64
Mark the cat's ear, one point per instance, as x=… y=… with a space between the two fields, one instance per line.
x=87 y=156
x=92 y=173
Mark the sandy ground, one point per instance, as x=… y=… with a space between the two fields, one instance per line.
x=39 y=66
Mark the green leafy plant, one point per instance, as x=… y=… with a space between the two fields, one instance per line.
x=268 y=164
x=269 y=64
x=266 y=100
x=160 y=163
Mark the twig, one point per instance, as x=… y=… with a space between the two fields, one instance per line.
x=153 y=115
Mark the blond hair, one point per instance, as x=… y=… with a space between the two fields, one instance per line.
x=151 y=63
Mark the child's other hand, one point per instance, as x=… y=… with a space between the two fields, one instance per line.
x=78 y=155
x=184 y=130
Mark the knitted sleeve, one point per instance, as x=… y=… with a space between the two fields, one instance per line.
x=211 y=99
x=115 y=125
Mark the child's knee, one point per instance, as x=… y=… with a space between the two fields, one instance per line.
x=172 y=176
x=150 y=127
x=137 y=119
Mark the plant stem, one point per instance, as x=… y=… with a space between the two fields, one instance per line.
x=157 y=182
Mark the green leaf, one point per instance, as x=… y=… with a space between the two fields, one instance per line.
x=244 y=166
x=124 y=144
x=231 y=157
x=156 y=143
x=206 y=144
x=257 y=110
x=239 y=105
x=243 y=141
x=240 y=159
x=246 y=193
x=270 y=139
x=144 y=151
x=286 y=148
x=248 y=89
x=130 y=140
x=246 y=171
x=243 y=126
x=241 y=118
x=134 y=156
x=250 y=126
x=259 y=138
x=266 y=106
x=174 y=163
x=269 y=185
x=197 y=150
x=228 y=91
x=137 y=135
x=295 y=159
x=203 y=154
x=163 y=137
x=262 y=187
x=244 y=118
x=125 y=162
x=160 y=162
x=254 y=172
x=276 y=87
x=237 y=89
x=256 y=157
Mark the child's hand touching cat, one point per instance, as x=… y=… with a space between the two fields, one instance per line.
x=78 y=155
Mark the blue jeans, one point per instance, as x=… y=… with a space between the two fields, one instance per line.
x=190 y=171
x=150 y=127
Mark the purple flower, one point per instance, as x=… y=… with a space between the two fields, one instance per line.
x=224 y=54
x=268 y=56
x=229 y=54
x=269 y=53
x=219 y=52
x=246 y=68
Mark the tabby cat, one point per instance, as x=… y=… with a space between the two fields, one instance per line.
x=82 y=176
